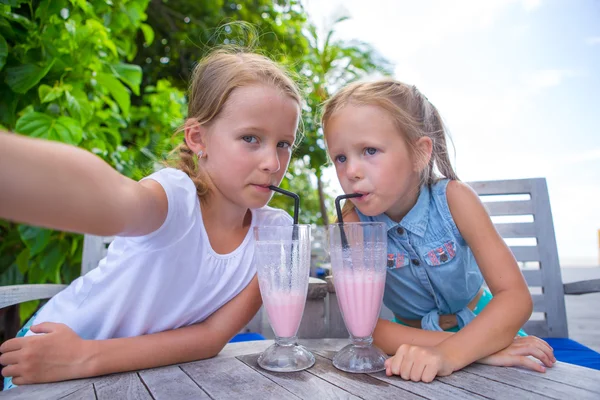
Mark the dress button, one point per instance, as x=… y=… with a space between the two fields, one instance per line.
x=400 y=231
x=443 y=258
x=416 y=262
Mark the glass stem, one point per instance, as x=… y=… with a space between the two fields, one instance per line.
x=362 y=342
x=289 y=341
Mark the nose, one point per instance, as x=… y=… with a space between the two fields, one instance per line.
x=270 y=161
x=353 y=170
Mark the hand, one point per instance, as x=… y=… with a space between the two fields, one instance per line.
x=516 y=354
x=59 y=354
x=417 y=363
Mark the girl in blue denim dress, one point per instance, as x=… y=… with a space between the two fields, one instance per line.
x=388 y=143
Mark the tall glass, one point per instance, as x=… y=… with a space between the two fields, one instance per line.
x=283 y=264
x=358 y=259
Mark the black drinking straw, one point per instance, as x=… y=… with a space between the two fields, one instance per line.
x=340 y=219
x=292 y=195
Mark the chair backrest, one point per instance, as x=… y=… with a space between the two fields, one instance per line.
x=521 y=213
x=94 y=250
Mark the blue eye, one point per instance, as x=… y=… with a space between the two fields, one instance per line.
x=340 y=159
x=249 y=139
x=370 y=151
x=284 y=145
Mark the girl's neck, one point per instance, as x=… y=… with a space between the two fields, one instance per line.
x=404 y=204
x=226 y=224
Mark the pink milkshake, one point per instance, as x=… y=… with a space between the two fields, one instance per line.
x=285 y=311
x=359 y=294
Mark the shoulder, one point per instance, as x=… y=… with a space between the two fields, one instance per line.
x=460 y=195
x=171 y=177
x=272 y=216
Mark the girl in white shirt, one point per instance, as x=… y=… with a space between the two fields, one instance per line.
x=178 y=281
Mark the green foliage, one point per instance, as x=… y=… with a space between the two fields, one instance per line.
x=109 y=77
x=66 y=75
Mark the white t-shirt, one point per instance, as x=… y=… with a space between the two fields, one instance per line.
x=164 y=280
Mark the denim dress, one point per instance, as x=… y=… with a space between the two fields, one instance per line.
x=431 y=270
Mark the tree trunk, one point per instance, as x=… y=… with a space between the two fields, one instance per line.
x=324 y=215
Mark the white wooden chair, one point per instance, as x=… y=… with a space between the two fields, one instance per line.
x=94 y=249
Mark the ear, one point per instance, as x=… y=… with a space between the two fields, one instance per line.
x=424 y=147
x=195 y=135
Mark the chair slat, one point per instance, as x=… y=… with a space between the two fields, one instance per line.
x=497 y=208
x=516 y=230
x=526 y=253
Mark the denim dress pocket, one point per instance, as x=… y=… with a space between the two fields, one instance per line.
x=397 y=260
x=439 y=254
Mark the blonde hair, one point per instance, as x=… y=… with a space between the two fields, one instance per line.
x=213 y=80
x=413 y=115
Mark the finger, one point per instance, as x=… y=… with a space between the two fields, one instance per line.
x=537 y=353
x=45 y=327
x=417 y=371
x=19 y=380
x=396 y=364
x=526 y=362
x=406 y=368
x=9 y=358
x=10 y=370
x=429 y=373
x=542 y=344
x=11 y=345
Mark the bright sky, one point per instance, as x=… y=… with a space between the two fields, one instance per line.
x=518 y=84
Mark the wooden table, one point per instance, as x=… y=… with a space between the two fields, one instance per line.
x=234 y=374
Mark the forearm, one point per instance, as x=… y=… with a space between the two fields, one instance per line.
x=59 y=186
x=149 y=351
x=492 y=330
x=388 y=336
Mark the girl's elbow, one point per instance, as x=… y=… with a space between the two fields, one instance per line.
x=526 y=304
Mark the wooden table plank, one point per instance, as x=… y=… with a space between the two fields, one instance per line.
x=573 y=375
x=171 y=383
x=430 y=390
x=487 y=387
x=46 y=390
x=303 y=384
x=121 y=386
x=228 y=378
x=85 y=393
x=361 y=385
x=535 y=382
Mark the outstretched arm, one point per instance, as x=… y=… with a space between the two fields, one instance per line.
x=63 y=187
x=61 y=355
x=496 y=326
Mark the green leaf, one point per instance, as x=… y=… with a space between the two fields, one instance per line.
x=23 y=77
x=117 y=91
x=27 y=309
x=53 y=260
x=79 y=107
x=130 y=74
x=47 y=93
x=3 y=51
x=47 y=8
x=63 y=129
x=148 y=34
x=36 y=239
x=23 y=261
x=13 y=3
x=26 y=22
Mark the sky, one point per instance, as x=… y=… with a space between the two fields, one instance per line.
x=518 y=84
